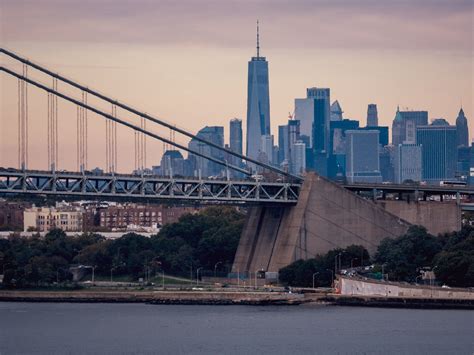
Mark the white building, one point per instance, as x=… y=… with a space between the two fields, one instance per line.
x=298 y=158
x=43 y=219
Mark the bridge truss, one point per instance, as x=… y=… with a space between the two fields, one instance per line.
x=133 y=188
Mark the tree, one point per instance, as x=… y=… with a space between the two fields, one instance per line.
x=404 y=256
x=455 y=265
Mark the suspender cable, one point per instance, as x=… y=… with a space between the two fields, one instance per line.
x=122 y=122
x=150 y=118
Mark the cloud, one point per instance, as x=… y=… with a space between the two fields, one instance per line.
x=341 y=24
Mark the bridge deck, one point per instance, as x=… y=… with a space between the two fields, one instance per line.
x=148 y=187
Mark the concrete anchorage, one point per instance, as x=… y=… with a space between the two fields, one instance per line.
x=326 y=217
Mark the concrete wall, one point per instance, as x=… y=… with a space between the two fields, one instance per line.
x=437 y=217
x=350 y=286
x=327 y=216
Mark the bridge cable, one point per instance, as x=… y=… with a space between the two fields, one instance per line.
x=122 y=122
x=150 y=118
x=118 y=120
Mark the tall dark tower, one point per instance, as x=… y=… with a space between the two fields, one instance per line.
x=372 y=116
x=462 y=131
x=258 y=102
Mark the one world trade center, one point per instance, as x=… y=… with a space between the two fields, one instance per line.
x=258 y=103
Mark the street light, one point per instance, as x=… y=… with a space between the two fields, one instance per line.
x=93 y=273
x=215 y=268
x=111 y=270
x=335 y=261
x=197 y=275
x=316 y=273
x=383 y=273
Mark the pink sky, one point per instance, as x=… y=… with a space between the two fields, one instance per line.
x=186 y=61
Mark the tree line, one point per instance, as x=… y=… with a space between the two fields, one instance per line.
x=195 y=241
x=450 y=256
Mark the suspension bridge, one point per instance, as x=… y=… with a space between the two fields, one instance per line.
x=283 y=188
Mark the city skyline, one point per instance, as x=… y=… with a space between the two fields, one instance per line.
x=395 y=74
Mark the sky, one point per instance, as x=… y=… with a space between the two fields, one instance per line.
x=186 y=62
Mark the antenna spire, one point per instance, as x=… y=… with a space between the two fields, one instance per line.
x=258 y=42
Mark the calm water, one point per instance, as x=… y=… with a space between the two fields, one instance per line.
x=61 y=328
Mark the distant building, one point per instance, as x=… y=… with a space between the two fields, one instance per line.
x=11 y=215
x=121 y=217
x=463 y=162
x=362 y=156
x=386 y=156
x=404 y=126
x=372 y=116
x=235 y=139
x=283 y=145
x=337 y=146
x=439 y=151
x=266 y=148
x=294 y=130
x=462 y=130
x=205 y=167
x=313 y=112
x=471 y=165
x=258 y=103
x=336 y=111
x=383 y=133
x=298 y=158
x=44 y=219
x=407 y=163
x=172 y=163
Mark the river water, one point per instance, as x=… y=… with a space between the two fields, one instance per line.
x=69 y=328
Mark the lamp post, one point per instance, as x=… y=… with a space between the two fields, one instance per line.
x=111 y=271
x=215 y=268
x=316 y=273
x=163 y=279
x=197 y=275
x=383 y=271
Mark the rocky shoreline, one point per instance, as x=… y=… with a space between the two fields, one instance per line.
x=229 y=298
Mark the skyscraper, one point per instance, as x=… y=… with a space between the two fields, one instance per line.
x=298 y=158
x=266 y=149
x=462 y=131
x=407 y=163
x=258 y=102
x=235 y=140
x=314 y=115
x=214 y=134
x=372 y=116
x=404 y=126
x=336 y=111
x=283 y=146
x=439 y=152
x=362 y=156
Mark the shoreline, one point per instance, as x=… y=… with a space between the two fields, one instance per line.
x=230 y=298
